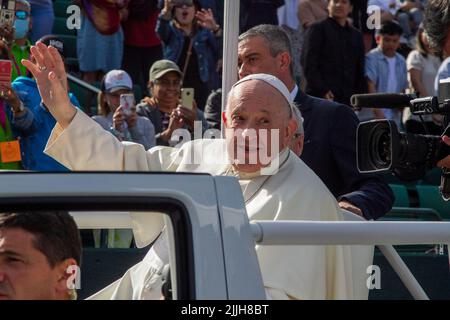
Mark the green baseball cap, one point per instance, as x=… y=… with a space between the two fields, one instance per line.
x=161 y=67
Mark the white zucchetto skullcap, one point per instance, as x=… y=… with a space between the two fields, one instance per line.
x=269 y=79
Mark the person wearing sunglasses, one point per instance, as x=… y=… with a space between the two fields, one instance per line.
x=20 y=46
x=163 y=106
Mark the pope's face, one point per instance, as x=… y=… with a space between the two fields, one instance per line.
x=258 y=125
x=25 y=272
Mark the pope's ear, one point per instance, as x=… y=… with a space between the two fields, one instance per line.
x=291 y=128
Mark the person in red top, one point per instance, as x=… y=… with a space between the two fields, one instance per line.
x=142 y=45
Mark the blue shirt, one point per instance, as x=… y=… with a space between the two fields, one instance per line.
x=377 y=70
x=34 y=127
x=443 y=73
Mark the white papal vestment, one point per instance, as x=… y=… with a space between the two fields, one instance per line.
x=292 y=193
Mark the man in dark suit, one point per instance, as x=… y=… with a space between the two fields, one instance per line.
x=330 y=128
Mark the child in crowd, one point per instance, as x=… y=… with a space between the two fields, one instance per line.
x=385 y=71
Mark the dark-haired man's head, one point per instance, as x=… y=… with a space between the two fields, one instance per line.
x=266 y=49
x=437 y=25
x=388 y=38
x=39 y=251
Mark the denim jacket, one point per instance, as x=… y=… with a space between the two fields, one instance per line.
x=205 y=45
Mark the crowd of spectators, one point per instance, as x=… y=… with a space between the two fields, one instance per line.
x=332 y=51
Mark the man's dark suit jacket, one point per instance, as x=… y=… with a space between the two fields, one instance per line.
x=330 y=151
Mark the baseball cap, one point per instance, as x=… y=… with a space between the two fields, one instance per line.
x=161 y=67
x=116 y=80
x=54 y=41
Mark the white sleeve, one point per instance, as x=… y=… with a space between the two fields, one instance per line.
x=85 y=145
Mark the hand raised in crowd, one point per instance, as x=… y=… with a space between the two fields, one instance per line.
x=205 y=19
x=51 y=78
x=132 y=118
x=9 y=95
x=168 y=6
x=4 y=50
x=118 y=119
x=175 y=122
x=445 y=163
x=7 y=33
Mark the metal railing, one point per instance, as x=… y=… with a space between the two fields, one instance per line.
x=384 y=234
x=349 y=233
x=83 y=84
x=380 y=233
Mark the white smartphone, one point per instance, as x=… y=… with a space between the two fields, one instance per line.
x=127 y=102
x=187 y=98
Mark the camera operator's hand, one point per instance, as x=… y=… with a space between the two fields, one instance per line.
x=329 y=95
x=350 y=207
x=445 y=163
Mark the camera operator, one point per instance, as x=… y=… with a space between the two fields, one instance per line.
x=445 y=163
x=437 y=29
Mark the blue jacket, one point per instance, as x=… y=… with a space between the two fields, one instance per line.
x=34 y=127
x=330 y=151
x=205 y=46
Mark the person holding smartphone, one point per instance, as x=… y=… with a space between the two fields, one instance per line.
x=163 y=107
x=30 y=119
x=191 y=37
x=117 y=113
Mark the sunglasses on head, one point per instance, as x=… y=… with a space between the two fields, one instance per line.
x=22 y=15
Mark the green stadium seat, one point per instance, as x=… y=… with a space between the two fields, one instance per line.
x=60 y=28
x=401 y=195
x=60 y=8
x=432 y=177
x=430 y=197
x=70 y=45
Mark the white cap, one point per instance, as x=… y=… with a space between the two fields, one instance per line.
x=269 y=79
x=116 y=80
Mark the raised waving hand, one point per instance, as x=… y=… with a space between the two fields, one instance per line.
x=48 y=69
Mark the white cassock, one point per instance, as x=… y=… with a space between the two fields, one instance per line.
x=293 y=193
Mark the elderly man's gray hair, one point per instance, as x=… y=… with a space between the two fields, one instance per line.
x=298 y=116
x=276 y=38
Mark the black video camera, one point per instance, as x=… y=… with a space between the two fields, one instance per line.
x=381 y=147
